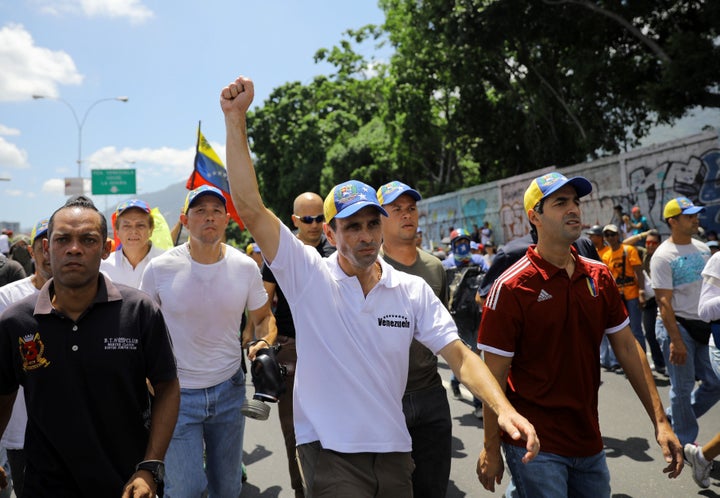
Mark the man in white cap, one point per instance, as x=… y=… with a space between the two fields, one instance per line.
x=203 y=288
x=541 y=330
x=676 y=271
x=355 y=317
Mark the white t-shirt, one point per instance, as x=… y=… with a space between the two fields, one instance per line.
x=4 y=244
x=353 y=350
x=709 y=307
x=203 y=307
x=120 y=271
x=14 y=436
x=679 y=268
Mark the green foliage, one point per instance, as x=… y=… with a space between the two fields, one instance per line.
x=477 y=90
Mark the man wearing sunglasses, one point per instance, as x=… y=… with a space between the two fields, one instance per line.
x=356 y=317
x=308 y=218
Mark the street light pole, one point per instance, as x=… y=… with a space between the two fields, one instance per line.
x=80 y=122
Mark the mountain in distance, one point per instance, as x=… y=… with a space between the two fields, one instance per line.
x=169 y=201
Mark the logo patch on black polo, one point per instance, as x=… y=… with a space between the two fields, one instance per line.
x=32 y=351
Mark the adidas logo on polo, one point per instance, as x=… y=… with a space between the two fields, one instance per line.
x=543 y=296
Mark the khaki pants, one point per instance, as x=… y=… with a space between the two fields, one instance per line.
x=329 y=474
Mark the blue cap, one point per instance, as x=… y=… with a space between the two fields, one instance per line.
x=391 y=191
x=200 y=191
x=348 y=198
x=132 y=203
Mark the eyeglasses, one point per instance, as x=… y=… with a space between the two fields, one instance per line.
x=309 y=219
x=651 y=242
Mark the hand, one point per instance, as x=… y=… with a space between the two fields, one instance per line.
x=237 y=96
x=255 y=346
x=140 y=485
x=490 y=469
x=678 y=352
x=3 y=479
x=672 y=450
x=518 y=427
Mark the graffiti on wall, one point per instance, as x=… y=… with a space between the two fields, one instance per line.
x=690 y=168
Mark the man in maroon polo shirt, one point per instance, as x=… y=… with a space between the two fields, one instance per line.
x=541 y=330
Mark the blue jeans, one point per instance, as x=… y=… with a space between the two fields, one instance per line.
x=427 y=415
x=7 y=492
x=209 y=420
x=607 y=355
x=635 y=313
x=649 y=315
x=687 y=402
x=554 y=476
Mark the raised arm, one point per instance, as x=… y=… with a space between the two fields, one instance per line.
x=235 y=99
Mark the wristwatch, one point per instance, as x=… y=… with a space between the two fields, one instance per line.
x=155 y=467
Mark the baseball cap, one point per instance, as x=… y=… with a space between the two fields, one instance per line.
x=39 y=229
x=132 y=203
x=611 y=228
x=712 y=243
x=348 y=198
x=459 y=233
x=200 y=191
x=544 y=185
x=595 y=230
x=635 y=209
x=251 y=248
x=391 y=191
x=680 y=205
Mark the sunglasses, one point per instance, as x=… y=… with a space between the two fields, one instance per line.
x=610 y=234
x=309 y=219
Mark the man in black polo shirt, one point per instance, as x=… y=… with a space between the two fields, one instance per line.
x=82 y=349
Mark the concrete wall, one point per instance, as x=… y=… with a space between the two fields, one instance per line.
x=646 y=177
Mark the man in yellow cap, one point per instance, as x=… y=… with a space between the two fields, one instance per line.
x=355 y=317
x=676 y=271
x=541 y=329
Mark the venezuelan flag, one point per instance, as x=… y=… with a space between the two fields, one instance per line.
x=210 y=170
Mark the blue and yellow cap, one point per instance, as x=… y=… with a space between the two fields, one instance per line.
x=132 y=203
x=39 y=229
x=680 y=205
x=545 y=185
x=391 y=191
x=348 y=198
x=200 y=191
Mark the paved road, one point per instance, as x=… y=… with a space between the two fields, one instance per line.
x=634 y=458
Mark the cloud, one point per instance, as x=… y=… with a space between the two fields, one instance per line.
x=11 y=156
x=7 y=131
x=54 y=186
x=132 y=10
x=26 y=69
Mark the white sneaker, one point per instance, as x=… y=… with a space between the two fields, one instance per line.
x=701 y=471
x=478 y=412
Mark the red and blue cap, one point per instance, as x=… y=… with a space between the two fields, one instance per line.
x=348 y=198
x=545 y=185
x=391 y=191
x=193 y=195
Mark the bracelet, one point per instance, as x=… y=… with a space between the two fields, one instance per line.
x=252 y=343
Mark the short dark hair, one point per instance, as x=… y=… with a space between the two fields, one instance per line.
x=538 y=208
x=84 y=202
x=654 y=233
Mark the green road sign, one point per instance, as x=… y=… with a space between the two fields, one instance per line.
x=113 y=181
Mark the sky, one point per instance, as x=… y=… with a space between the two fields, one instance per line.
x=171 y=59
